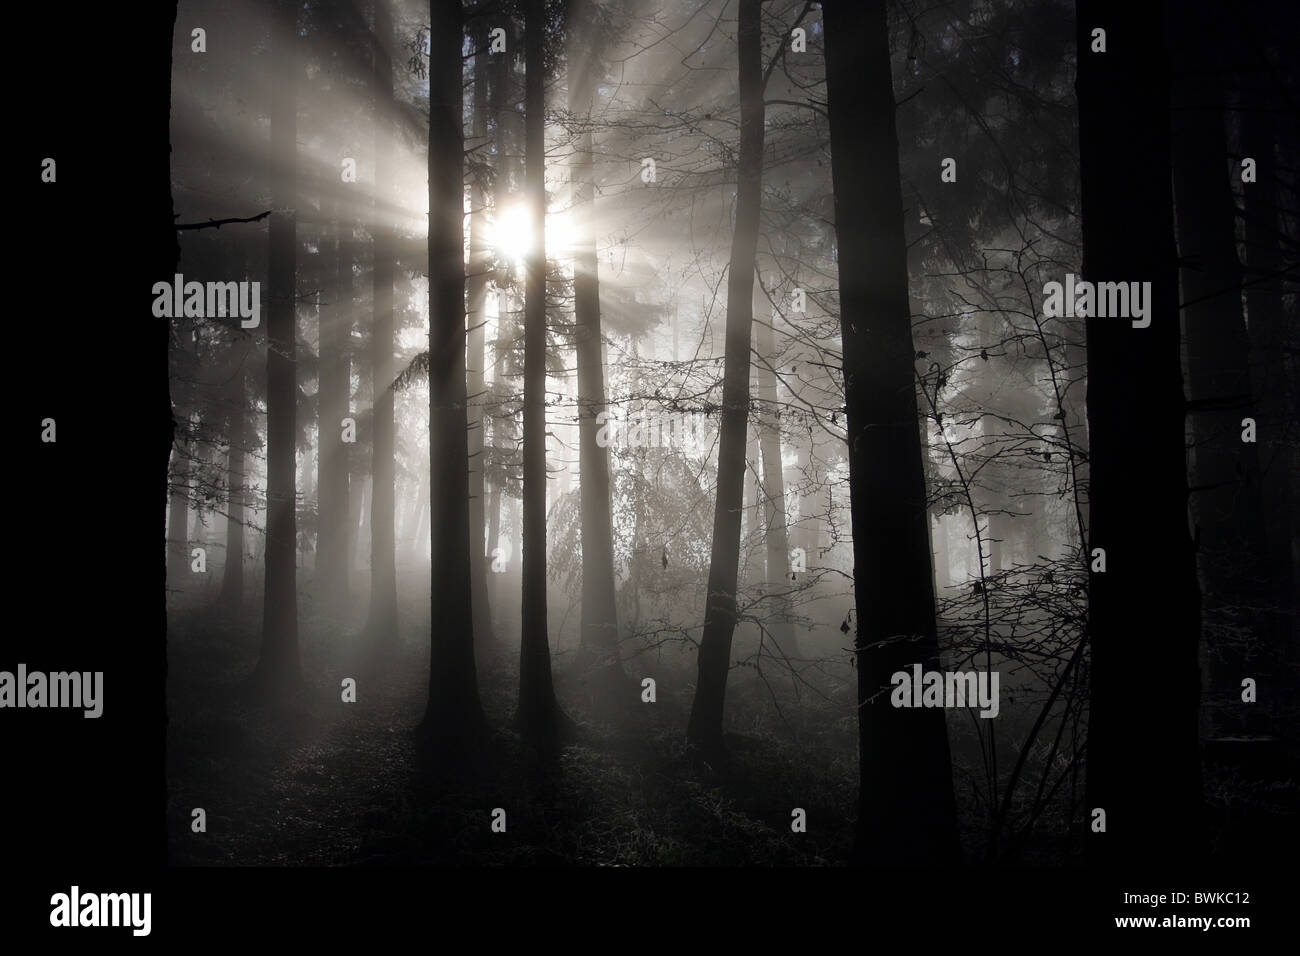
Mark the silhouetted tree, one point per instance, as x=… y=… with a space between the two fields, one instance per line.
x=453 y=720
x=278 y=666
x=906 y=811
x=705 y=729
x=1144 y=617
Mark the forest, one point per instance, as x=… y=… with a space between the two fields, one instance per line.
x=726 y=432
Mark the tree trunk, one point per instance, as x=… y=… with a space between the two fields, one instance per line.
x=1225 y=504
x=278 y=666
x=538 y=710
x=381 y=626
x=906 y=807
x=332 y=483
x=754 y=559
x=178 y=503
x=1144 y=628
x=453 y=720
x=705 y=729
x=599 y=633
x=777 y=579
x=1270 y=338
x=477 y=333
x=232 y=580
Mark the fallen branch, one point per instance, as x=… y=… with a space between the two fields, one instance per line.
x=218 y=223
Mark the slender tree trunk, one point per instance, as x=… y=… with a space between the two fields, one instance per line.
x=381 y=626
x=178 y=503
x=232 y=580
x=906 y=808
x=777 y=579
x=477 y=334
x=278 y=666
x=196 y=533
x=181 y=466
x=705 y=729
x=332 y=484
x=599 y=632
x=538 y=710
x=453 y=721
x=1144 y=628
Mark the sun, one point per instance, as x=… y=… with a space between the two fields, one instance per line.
x=511 y=234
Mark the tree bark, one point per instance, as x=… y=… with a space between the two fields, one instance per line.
x=453 y=720
x=381 y=625
x=538 y=710
x=1226 y=504
x=705 y=729
x=777 y=579
x=1144 y=627
x=906 y=807
x=232 y=579
x=599 y=631
x=331 y=575
x=278 y=666
x=1270 y=337
x=477 y=358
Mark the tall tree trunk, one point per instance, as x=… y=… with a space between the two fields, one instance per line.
x=538 y=711
x=705 y=729
x=599 y=631
x=906 y=808
x=753 y=559
x=381 y=626
x=232 y=580
x=477 y=333
x=453 y=720
x=181 y=466
x=1225 y=502
x=178 y=503
x=1143 y=760
x=278 y=666
x=777 y=579
x=1275 y=391
x=332 y=483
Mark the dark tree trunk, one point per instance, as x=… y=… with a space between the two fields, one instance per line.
x=599 y=631
x=453 y=721
x=906 y=808
x=1144 y=627
x=538 y=711
x=1264 y=131
x=705 y=729
x=381 y=626
x=278 y=666
x=1225 y=502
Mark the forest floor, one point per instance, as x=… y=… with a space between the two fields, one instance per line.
x=310 y=780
